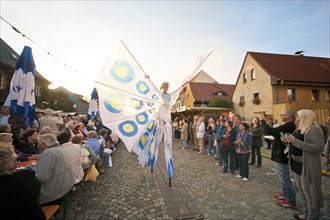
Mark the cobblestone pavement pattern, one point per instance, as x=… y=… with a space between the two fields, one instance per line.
x=199 y=191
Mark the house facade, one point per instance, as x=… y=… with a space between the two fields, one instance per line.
x=195 y=96
x=60 y=99
x=270 y=83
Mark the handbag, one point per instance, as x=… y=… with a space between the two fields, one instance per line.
x=84 y=156
x=92 y=173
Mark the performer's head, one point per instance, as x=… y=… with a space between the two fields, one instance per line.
x=164 y=86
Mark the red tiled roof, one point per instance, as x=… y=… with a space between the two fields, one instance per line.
x=294 y=67
x=205 y=91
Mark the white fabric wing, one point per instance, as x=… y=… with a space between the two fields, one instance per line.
x=128 y=100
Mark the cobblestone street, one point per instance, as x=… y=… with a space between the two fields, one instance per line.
x=199 y=191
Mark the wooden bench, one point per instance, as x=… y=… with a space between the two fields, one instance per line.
x=49 y=210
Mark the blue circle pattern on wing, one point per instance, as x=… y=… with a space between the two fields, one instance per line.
x=136 y=104
x=150 y=104
x=150 y=126
x=113 y=104
x=152 y=110
x=122 y=71
x=128 y=128
x=155 y=97
x=142 y=87
x=143 y=140
x=142 y=118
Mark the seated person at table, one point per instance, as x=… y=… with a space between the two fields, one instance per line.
x=6 y=128
x=28 y=144
x=73 y=152
x=8 y=138
x=53 y=170
x=78 y=139
x=19 y=189
x=94 y=144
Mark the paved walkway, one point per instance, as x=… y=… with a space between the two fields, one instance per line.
x=199 y=191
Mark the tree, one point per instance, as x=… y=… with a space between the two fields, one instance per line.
x=220 y=103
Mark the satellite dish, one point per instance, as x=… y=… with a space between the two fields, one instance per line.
x=300 y=52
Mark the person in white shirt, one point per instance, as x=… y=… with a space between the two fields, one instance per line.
x=73 y=152
x=52 y=170
x=200 y=135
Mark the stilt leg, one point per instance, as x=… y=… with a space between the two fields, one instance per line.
x=169 y=181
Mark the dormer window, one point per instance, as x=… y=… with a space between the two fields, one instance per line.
x=220 y=93
x=253 y=74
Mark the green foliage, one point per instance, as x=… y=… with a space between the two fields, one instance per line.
x=220 y=103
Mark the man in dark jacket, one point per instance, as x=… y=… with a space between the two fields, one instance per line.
x=281 y=158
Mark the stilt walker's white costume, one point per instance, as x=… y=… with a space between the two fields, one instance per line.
x=134 y=109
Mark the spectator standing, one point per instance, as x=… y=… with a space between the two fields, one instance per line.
x=295 y=160
x=243 y=148
x=228 y=137
x=195 y=130
x=312 y=146
x=210 y=130
x=200 y=135
x=220 y=132
x=184 y=134
x=190 y=131
x=281 y=158
x=256 y=132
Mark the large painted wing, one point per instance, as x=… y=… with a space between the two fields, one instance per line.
x=128 y=101
x=198 y=63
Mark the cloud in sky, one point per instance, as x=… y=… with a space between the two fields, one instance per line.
x=165 y=37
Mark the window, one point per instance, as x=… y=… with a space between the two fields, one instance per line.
x=244 y=77
x=291 y=94
x=187 y=96
x=327 y=95
x=253 y=74
x=37 y=90
x=241 y=101
x=315 y=95
x=2 y=81
x=256 y=98
x=219 y=94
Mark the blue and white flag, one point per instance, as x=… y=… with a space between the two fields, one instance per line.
x=93 y=109
x=21 y=98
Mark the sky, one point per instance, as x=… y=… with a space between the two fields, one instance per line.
x=165 y=37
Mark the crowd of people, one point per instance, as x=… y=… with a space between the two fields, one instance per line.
x=298 y=146
x=66 y=148
x=63 y=150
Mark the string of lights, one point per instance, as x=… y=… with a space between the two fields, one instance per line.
x=48 y=53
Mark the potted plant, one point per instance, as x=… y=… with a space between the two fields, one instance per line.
x=256 y=101
x=241 y=103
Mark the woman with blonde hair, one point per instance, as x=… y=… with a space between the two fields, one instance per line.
x=312 y=147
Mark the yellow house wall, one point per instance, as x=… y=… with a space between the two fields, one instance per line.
x=189 y=98
x=304 y=101
x=261 y=84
